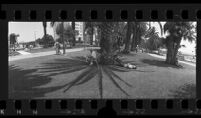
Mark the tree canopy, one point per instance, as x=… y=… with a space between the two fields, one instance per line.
x=13 y=38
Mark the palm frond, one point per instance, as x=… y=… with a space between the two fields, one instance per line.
x=100 y=83
x=115 y=75
x=89 y=76
x=79 y=78
x=115 y=83
x=60 y=68
x=66 y=71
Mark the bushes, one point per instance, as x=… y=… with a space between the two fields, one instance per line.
x=46 y=41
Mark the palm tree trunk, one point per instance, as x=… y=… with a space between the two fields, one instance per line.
x=106 y=43
x=64 y=47
x=135 y=39
x=92 y=36
x=44 y=28
x=73 y=26
x=45 y=31
x=161 y=28
x=128 y=38
x=172 y=50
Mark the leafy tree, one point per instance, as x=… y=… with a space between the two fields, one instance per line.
x=89 y=29
x=47 y=41
x=66 y=33
x=128 y=37
x=135 y=30
x=39 y=41
x=177 y=31
x=13 y=39
x=139 y=30
x=154 y=41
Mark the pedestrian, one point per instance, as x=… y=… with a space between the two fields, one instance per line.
x=137 y=48
x=57 y=47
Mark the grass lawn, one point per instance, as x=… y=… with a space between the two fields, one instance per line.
x=45 y=77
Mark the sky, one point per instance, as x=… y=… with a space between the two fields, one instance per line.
x=28 y=31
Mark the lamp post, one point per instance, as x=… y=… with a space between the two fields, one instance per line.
x=35 y=37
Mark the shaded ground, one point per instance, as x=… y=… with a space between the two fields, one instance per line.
x=14 y=53
x=46 y=77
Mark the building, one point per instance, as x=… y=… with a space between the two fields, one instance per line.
x=55 y=26
x=79 y=26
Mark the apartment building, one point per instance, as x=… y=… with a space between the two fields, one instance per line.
x=79 y=26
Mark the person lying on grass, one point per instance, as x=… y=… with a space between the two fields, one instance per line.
x=92 y=59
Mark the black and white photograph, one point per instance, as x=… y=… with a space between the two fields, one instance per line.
x=102 y=60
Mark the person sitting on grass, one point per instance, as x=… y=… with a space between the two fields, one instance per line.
x=92 y=57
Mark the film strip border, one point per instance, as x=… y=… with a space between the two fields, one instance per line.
x=95 y=107
x=100 y=13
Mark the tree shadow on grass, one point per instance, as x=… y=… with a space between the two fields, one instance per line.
x=23 y=83
x=185 y=91
x=78 y=63
x=159 y=63
x=129 y=54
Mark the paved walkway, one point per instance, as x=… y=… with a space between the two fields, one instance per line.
x=163 y=57
x=32 y=55
x=23 y=52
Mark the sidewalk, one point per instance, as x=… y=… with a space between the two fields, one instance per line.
x=23 y=52
x=32 y=55
x=163 y=57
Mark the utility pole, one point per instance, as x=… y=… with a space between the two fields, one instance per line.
x=35 y=37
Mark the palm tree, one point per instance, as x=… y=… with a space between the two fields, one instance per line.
x=135 y=30
x=73 y=26
x=62 y=37
x=128 y=37
x=106 y=63
x=44 y=28
x=65 y=32
x=89 y=28
x=139 y=30
x=154 y=41
x=177 y=32
x=161 y=28
x=13 y=39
